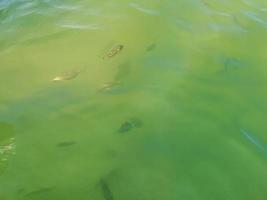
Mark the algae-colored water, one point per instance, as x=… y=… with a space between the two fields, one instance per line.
x=133 y=100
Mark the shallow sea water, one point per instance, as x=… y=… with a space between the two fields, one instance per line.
x=178 y=112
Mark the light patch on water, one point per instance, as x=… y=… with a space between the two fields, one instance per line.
x=116 y=16
x=7 y=143
x=80 y=26
x=144 y=10
x=264 y=9
x=249 y=3
x=254 y=141
x=226 y=28
x=26 y=13
x=68 y=7
x=67 y=76
x=5 y=4
x=27 y=5
x=9 y=147
x=255 y=17
x=221 y=13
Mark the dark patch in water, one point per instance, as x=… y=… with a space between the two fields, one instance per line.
x=40 y=191
x=137 y=122
x=123 y=71
x=151 y=47
x=107 y=194
x=125 y=127
x=130 y=124
x=232 y=64
x=20 y=191
x=110 y=154
x=232 y=69
x=66 y=144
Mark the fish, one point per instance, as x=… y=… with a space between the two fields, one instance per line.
x=125 y=127
x=137 y=122
x=107 y=194
x=66 y=144
x=108 y=86
x=39 y=191
x=67 y=76
x=20 y=191
x=113 y=51
x=151 y=47
x=130 y=124
x=231 y=64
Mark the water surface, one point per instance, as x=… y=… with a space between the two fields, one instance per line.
x=150 y=99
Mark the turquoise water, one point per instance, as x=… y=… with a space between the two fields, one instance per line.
x=133 y=100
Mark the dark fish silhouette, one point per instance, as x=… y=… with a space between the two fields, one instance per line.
x=66 y=144
x=137 y=122
x=20 y=191
x=151 y=47
x=130 y=124
x=125 y=127
x=40 y=191
x=107 y=194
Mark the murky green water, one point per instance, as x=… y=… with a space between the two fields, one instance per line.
x=133 y=100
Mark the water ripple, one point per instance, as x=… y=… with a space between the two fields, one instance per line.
x=255 y=17
x=80 y=26
x=144 y=10
x=254 y=140
x=67 y=7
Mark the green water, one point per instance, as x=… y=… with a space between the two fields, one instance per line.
x=178 y=113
